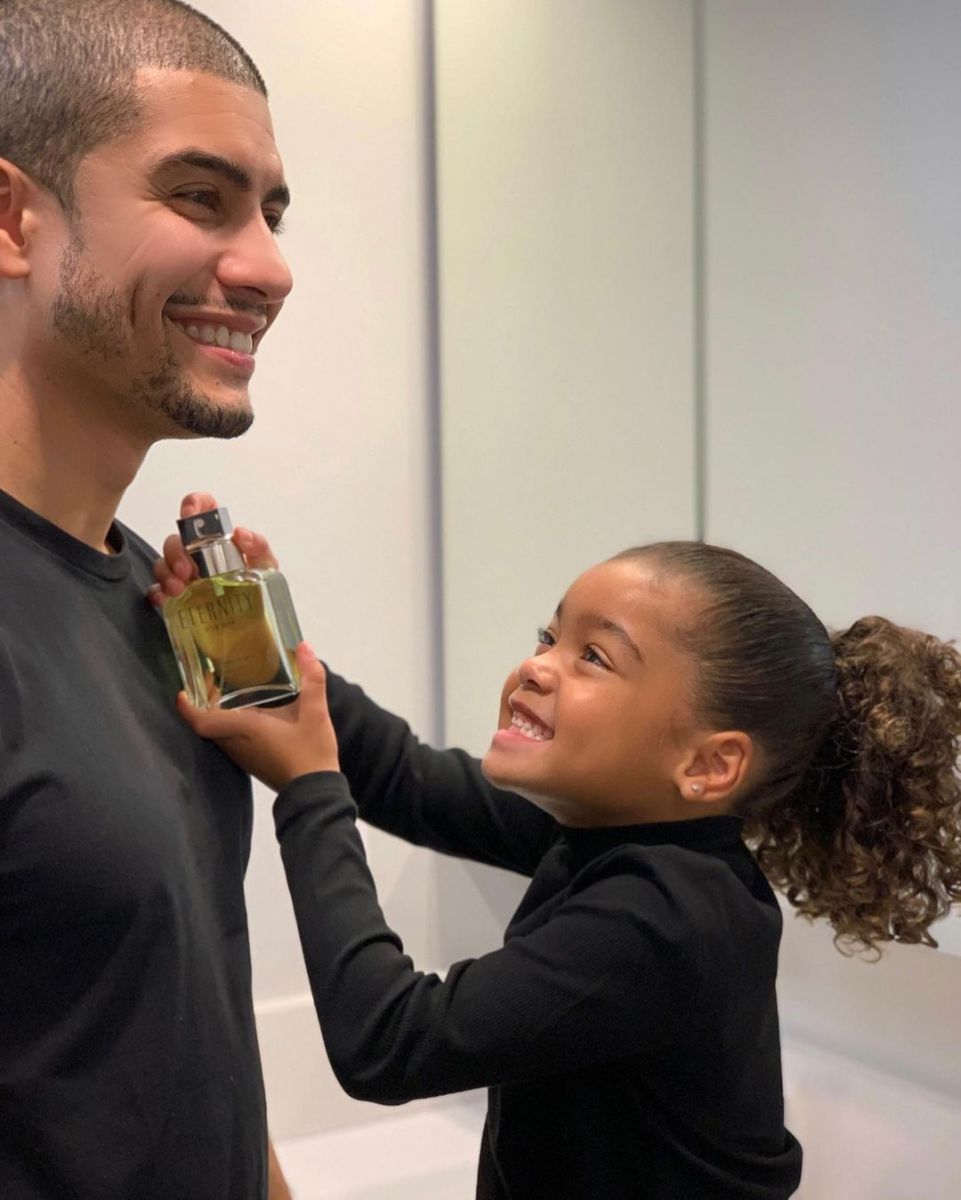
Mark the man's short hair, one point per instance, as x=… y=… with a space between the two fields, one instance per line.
x=68 y=68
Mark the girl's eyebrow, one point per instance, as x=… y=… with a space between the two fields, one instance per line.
x=598 y=621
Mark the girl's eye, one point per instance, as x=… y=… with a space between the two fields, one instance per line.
x=545 y=639
x=592 y=656
x=275 y=222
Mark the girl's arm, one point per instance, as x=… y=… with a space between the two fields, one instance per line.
x=434 y=798
x=604 y=972
x=610 y=974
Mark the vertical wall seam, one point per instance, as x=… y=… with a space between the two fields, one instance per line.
x=699 y=216
x=435 y=532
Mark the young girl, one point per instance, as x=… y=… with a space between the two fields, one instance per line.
x=681 y=704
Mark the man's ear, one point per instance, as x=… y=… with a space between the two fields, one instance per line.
x=716 y=769
x=14 y=191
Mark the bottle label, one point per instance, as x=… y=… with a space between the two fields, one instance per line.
x=218 y=613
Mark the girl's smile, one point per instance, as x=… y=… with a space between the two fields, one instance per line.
x=525 y=724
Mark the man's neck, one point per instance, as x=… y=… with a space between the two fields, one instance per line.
x=68 y=462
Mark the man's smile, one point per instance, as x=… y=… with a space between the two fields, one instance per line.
x=239 y=332
x=221 y=337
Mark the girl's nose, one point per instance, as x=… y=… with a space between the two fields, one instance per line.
x=535 y=673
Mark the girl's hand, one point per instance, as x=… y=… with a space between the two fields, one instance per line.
x=275 y=744
x=176 y=569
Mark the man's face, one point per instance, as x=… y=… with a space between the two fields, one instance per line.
x=168 y=274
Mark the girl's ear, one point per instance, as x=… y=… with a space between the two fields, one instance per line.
x=716 y=769
x=14 y=190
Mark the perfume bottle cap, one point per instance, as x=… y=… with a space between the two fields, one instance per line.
x=202 y=527
x=206 y=538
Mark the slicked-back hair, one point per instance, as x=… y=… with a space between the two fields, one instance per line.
x=68 y=74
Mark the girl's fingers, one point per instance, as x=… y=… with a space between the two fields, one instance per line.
x=311 y=667
x=309 y=663
x=276 y=745
x=168 y=582
x=196 y=502
x=313 y=677
x=215 y=723
x=255 y=549
x=179 y=563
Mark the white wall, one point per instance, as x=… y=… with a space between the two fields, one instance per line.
x=833 y=298
x=566 y=291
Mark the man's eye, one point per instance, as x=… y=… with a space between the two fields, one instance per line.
x=274 y=221
x=204 y=199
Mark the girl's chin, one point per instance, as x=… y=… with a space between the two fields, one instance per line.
x=495 y=770
x=489 y=768
x=501 y=770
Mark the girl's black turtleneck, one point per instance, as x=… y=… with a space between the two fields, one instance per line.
x=626 y=1030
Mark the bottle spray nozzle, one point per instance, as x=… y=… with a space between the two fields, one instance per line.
x=205 y=527
x=206 y=538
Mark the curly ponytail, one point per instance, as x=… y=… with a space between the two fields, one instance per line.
x=857 y=815
x=871 y=836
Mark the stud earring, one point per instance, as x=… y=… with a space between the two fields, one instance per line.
x=697 y=788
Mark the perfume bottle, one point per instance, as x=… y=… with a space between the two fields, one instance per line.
x=234 y=630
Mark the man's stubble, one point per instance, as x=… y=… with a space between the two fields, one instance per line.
x=91 y=316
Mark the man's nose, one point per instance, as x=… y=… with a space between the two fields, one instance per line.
x=253 y=262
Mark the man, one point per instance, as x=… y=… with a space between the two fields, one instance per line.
x=140 y=192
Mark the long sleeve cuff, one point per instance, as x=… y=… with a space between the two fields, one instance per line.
x=326 y=793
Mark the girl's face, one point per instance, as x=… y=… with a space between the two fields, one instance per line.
x=597 y=726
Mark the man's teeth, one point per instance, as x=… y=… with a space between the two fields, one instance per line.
x=220 y=335
x=530 y=728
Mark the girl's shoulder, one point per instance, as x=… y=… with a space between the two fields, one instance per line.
x=718 y=900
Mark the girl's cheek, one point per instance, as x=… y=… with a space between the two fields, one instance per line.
x=512 y=684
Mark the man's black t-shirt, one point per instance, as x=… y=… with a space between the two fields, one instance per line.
x=128 y=1059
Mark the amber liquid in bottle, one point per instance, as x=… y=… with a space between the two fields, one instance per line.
x=234 y=631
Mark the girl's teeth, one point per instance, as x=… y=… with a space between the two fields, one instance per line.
x=529 y=729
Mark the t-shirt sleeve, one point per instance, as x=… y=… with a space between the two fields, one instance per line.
x=612 y=974
x=434 y=798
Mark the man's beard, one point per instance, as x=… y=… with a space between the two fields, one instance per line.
x=91 y=315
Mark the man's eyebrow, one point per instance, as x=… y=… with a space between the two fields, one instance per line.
x=232 y=171
x=599 y=621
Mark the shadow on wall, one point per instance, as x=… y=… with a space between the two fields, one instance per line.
x=898 y=1015
x=486 y=899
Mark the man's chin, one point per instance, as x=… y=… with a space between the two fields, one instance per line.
x=190 y=415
